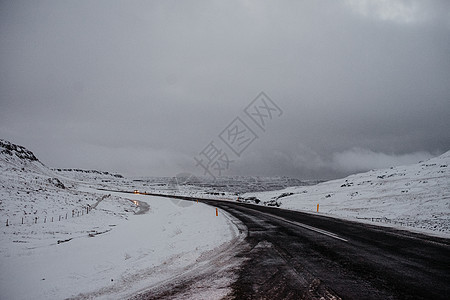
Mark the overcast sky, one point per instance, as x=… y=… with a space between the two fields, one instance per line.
x=143 y=87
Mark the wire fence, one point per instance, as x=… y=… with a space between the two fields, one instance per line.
x=46 y=218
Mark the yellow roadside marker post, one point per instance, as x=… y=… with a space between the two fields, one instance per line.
x=217 y=212
x=317 y=207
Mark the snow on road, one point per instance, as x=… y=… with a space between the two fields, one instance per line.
x=134 y=254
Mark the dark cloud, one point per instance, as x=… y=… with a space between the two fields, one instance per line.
x=142 y=87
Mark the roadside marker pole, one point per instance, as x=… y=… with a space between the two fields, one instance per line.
x=217 y=212
x=317 y=207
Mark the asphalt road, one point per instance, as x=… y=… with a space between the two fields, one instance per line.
x=294 y=255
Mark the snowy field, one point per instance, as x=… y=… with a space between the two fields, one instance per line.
x=123 y=256
x=67 y=240
x=414 y=197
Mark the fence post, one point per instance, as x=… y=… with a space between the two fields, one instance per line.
x=66 y=216
x=7 y=224
x=52 y=219
x=59 y=218
x=45 y=220
x=22 y=220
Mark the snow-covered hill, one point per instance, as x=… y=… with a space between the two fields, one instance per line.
x=30 y=190
x=15 y=158
x=415 y=196
x=61 y=238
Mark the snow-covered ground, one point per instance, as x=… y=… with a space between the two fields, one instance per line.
x=87 y=243
x=61 y=237
x=135 y=254
x=414 y=197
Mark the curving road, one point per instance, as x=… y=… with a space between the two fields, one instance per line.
x=294 y=255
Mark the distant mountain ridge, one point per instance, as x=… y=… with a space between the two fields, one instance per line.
x=88 y=171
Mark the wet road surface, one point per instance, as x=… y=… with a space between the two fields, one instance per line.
x=294 y=255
